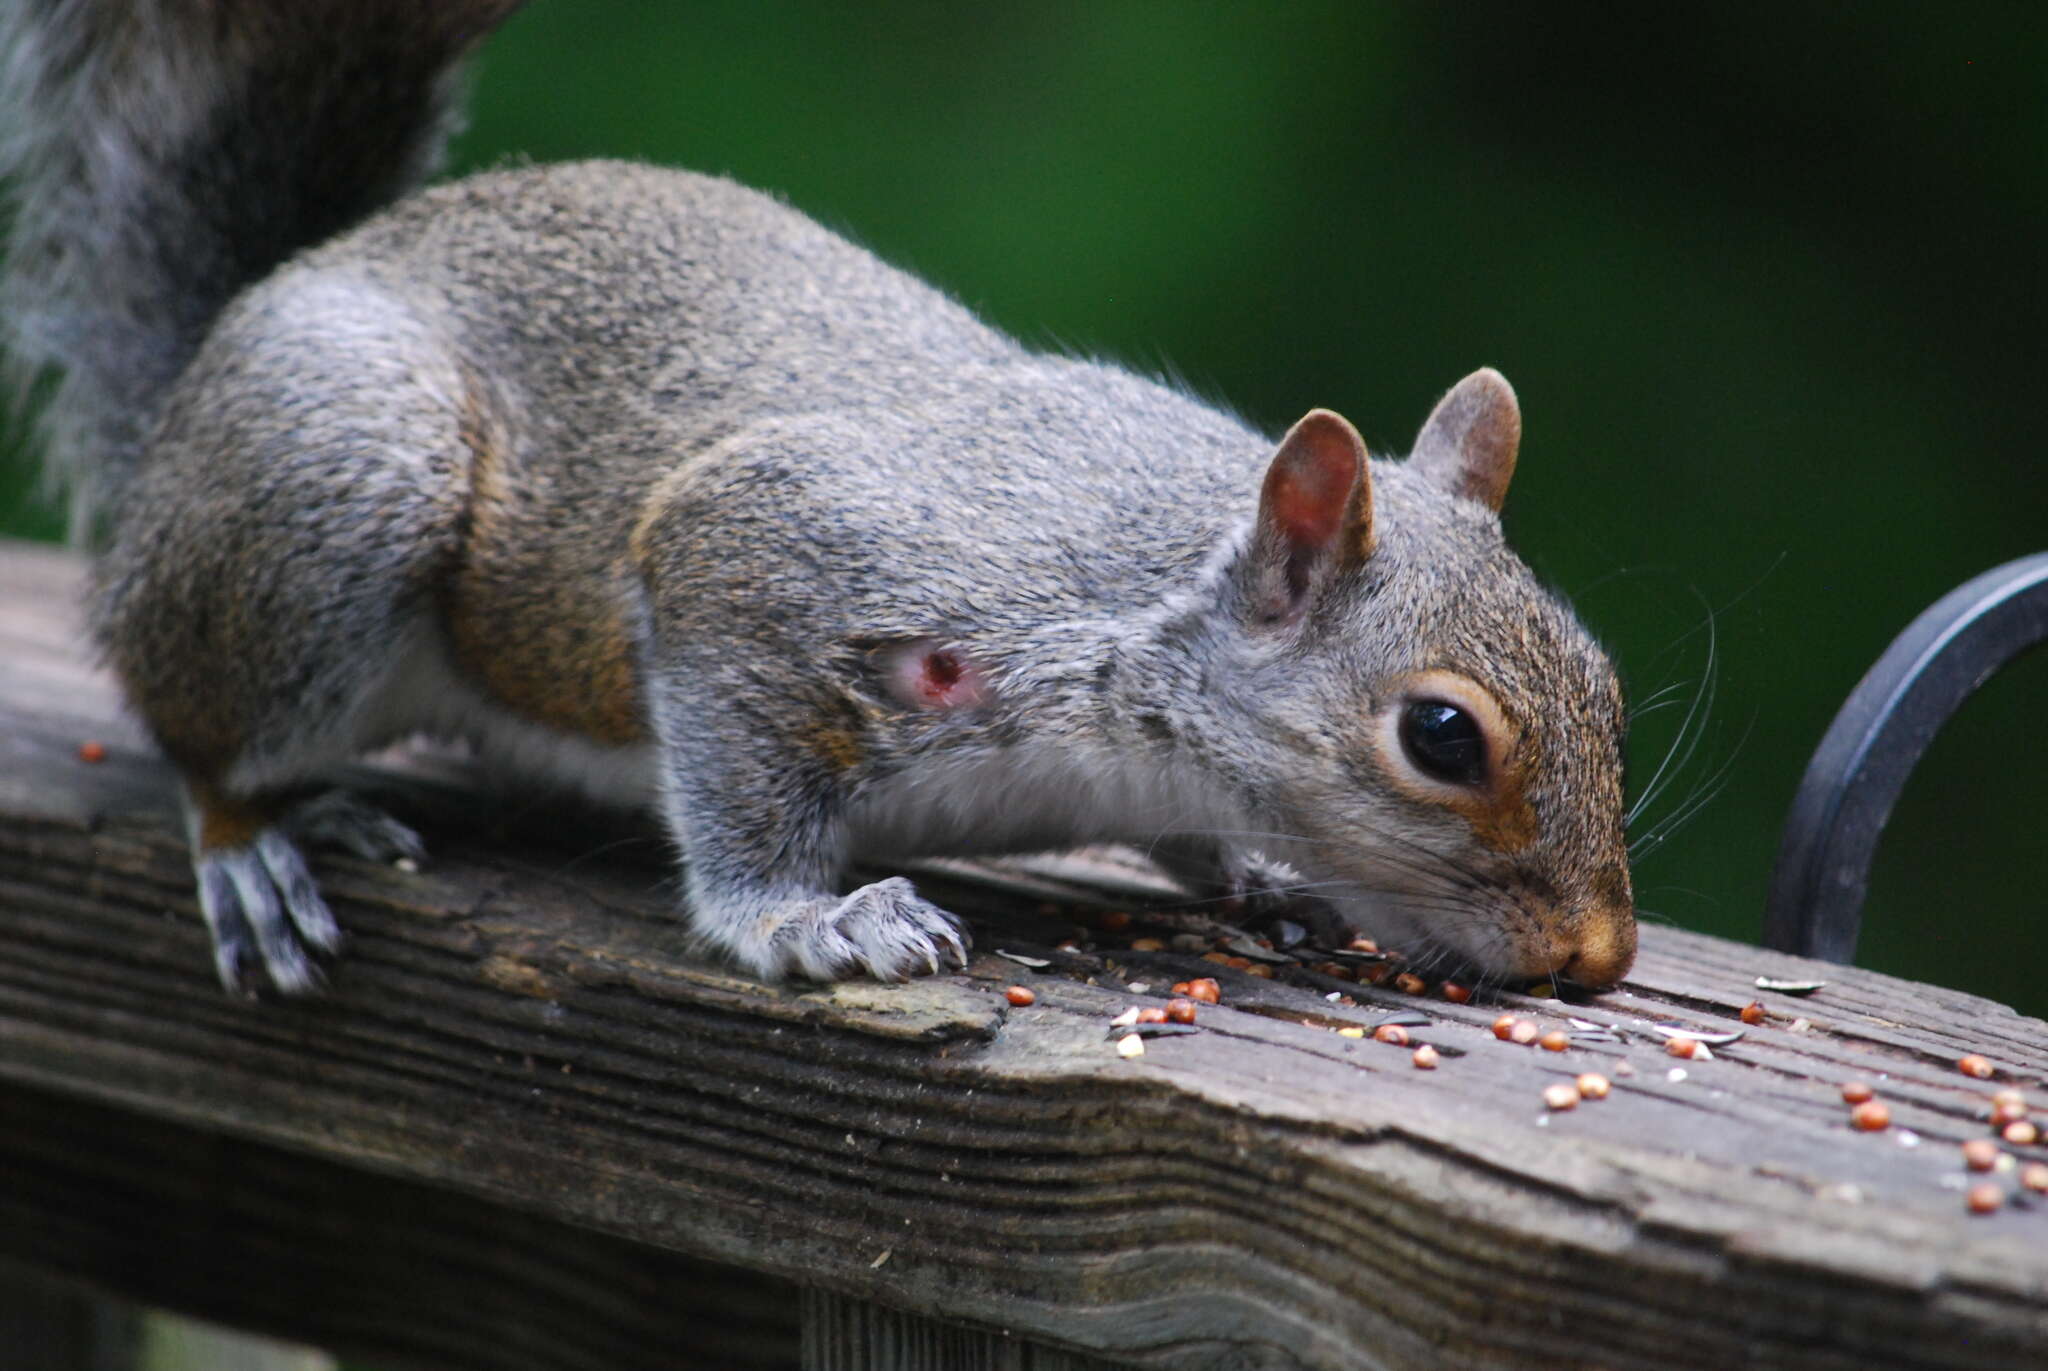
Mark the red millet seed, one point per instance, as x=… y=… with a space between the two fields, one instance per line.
x=1391 y=1033
x=1980 y=1154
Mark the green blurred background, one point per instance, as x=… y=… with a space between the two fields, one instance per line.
x=1764 y=278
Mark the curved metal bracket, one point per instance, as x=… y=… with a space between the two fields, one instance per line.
x=1816 y=904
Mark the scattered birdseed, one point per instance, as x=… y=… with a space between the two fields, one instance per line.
x=1125 y=1019
x=1152 y=1014
x=1980 y=1154
x=1503 y=1026
x=1974 y=1065
x=1856 y=1092
x=1753 y=1012
x=1457 y=994
x=2034 y=1176
x=93 y=751
x=1872 y=1116
x=1666 y=1030
x=1352 y=1032
x=1789 y=987
x=1561 y=1096
x=1593 y=1085
x=1524 y=1032
x=1021 y=995
x=1425 y=1058
x=1987 y=1198
x=1681 y=1047
x=1391 y=1033
x=1408 y=983
x=2021 y=1133
x=1130 y=1045
x=1204 y=989
x=1180 y=1009
x=1556 y=1040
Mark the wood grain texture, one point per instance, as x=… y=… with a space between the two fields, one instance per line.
x=518 y=1024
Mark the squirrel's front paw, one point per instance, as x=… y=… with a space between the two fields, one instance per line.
x=885 y=929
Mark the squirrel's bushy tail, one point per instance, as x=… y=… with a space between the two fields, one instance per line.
x=163 y=154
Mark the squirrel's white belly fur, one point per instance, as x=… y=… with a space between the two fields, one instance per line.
x=1032 y=796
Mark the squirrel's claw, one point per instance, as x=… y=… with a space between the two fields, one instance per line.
x=261 y=904
x=885 y=929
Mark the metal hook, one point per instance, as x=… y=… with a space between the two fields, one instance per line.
x=1887 y=723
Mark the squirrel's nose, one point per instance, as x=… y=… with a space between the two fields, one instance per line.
x=1604 y=949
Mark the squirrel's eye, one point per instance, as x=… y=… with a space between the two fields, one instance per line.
x=1444 y=742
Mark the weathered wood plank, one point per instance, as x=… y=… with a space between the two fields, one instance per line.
x=517 y=1024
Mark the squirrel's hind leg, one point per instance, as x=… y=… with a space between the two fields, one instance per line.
x=261 y=904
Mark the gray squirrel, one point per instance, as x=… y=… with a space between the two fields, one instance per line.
x=645 y=482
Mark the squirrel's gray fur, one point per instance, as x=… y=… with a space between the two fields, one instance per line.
x=649 y=482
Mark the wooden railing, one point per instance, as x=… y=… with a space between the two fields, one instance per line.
x=525 y=1130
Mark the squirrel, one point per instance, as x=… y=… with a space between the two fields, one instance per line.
x=647 y=483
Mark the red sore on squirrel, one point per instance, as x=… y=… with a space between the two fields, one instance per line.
x=927 y=675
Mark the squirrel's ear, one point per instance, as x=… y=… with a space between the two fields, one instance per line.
x=1469 y=442
x=1315 y=514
